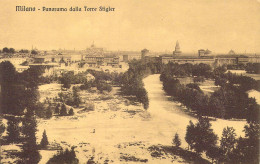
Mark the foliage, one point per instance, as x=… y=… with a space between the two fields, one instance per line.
x=72 y=99
x=63 y=111
x=49 y=112
x=71 y=112
x=76 y=97
x=214 y=152
x=24 y=51
x=200 y=136
x=30 y=152
x=13 y=130
x=57 y=109
x=194 y=86
x=228 y=141
x=198 y=79
x=66 y=79
x=2 y=127
x=34 y=52
x=64 y=157
x=102 y=86
x=132 y=80
x=243 y=83
x=176 y=140
x=230 y=101
x=8 y=50
x=44 y=141
x=253 y=68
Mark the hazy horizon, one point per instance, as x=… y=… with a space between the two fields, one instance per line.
x=217 y=25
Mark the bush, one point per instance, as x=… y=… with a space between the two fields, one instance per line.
x=90 y=106
x=176 y=140
x=101 y=86
x=63 y=111
x=64 y=157
x=57 y=109
x=198 y=79
x=49 y=112
x=13 y=130
x=71 y=112
x=44 y=141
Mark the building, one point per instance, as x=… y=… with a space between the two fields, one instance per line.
x=96 y=61
x=125 y=58
x=177 y=51
x=254 y=59
x=204 y=53
x=144 y=53
x=203 y=57
x=187 y=59
x=94 y=51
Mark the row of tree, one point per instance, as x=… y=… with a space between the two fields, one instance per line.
x=253 y=68
x=132 y=83
x=187 y=69
x=102 y=80
x=227 y=102
x=201 y=138
x=12 y=51
x=26 y=134
x=8 y=50
x=19 y=90
x=243 y=83
x=230 y=101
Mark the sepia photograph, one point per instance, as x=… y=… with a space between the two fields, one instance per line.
x=129 y=81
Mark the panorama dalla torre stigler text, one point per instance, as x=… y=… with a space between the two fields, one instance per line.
x=72 y=9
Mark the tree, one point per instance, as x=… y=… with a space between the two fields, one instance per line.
x=176 y=140
x=34 y=52
x=66 y=79
x=190 y=131
x=57 y=109
x=76 y=97
x=63 y=111
x=49 y=112
x=200 y=136
x=6 y=50
x=67 y=156
x=205 y=137
x=71 y=112
x=2 y=127
x=44 y=141
x=252 y=133
x=13 y=130
x=213 y=153
x=228 y=140
x=29 y=128
x=12 y=93
x=12 y=50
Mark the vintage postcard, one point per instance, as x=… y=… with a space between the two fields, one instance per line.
x=129 y=81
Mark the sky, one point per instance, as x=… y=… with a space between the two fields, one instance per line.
x=219 y=25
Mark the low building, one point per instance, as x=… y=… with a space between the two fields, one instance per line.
x=187 y=59
x=97 y=61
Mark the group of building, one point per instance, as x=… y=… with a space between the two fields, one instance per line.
x=55 y=63
x=203 y=56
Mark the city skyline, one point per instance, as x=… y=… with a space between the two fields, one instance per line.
x=216 y=25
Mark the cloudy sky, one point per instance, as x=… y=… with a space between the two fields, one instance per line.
x=219 y=25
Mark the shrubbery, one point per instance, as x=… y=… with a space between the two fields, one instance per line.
x=230 y=101
x=132 y=83
x=201 y=138
x=64 y=157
